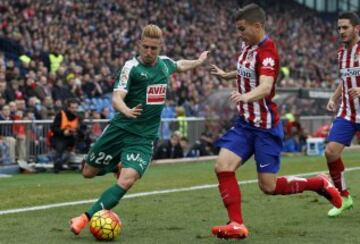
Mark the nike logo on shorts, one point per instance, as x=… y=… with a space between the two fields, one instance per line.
x=264 y=165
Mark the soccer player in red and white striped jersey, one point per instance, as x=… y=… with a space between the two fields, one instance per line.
x=348 y=94
x=255 y=61
x=258 y=130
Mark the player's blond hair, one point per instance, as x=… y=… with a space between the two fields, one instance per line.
x=151 y=31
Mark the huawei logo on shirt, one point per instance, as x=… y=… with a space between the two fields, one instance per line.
x=268 y=62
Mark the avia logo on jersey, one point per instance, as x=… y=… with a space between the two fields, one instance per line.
x=350 y=72
x=156 y=94
x=268 y=62
x=245 y=72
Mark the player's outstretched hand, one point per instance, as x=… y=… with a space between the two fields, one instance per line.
x=331 y=106
x=203 y=57
x=354 y=92
x=217 y=71
x=134 y=112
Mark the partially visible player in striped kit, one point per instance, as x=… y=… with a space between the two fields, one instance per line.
x=347 y=93
x=258 y=130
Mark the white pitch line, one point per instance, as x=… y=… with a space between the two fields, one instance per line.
x=4 y=176
x=142 y=194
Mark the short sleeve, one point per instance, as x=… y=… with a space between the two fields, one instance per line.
x=268 y=63
x=122 y=81
x=170 y=64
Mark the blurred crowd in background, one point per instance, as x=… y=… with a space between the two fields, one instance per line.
x=51 y=51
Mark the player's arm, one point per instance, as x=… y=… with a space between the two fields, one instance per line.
x=120 y=106
x=333 y=101
x=185 y=65
x=222 y=74
x=261 y=91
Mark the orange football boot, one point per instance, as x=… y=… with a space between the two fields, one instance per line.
x=330 y=192
x=232 y=230
x=77 y=224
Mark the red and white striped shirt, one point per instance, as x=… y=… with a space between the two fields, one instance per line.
x=261 y=59
x=349 y=72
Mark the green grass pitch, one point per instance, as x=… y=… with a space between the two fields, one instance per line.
x=179 y=217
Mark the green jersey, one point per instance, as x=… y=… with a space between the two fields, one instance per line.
x=146 y=85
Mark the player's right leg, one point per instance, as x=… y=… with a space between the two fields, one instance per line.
x=340 y=136
x=103 y=157
x=89 y=171
x=336 y=170
x=225 y=167
x=236 y=147
x=109 y=199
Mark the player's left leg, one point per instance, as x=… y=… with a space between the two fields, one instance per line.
x=340 y=135
x=111 y=197
x=108 y=199
x=267 y=156
x=103 y=157
x=135 y=159
x=270 y=184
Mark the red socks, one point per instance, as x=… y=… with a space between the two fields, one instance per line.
x=292 y=185
x=230 y=194
x=336 y=170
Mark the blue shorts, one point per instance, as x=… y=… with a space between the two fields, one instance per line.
x=342 y=131
x=245 y=140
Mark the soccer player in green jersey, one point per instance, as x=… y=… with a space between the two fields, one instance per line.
x=139 y=96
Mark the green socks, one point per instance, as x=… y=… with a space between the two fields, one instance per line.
x=107 y=200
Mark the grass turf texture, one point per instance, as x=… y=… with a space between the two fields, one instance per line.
x=183 y=217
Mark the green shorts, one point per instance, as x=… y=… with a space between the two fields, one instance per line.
x=118 y=145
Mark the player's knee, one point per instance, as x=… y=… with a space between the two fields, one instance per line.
x=222 y=166
x=267 y=189
x=87 y=172
x=331 y=153
x=126 y=181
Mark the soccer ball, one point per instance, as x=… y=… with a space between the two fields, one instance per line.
x=105 y=225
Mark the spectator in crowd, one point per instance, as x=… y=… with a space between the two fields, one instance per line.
x=203 y=147
x=322 y=131
x=294 y=135
x=170 y=148
x=4 y=153
x=168 y=112
x=54 y=57
x=65 y=129
x=105 y=113
x=19 y=131
x=184 y=143
x=6 y=133
x=74 y=48
x=96 y=128
x=181 y=117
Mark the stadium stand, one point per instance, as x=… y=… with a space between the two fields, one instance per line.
x=51 y=52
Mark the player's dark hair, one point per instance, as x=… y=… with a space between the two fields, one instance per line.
x=251 y=13
x=351 y=16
